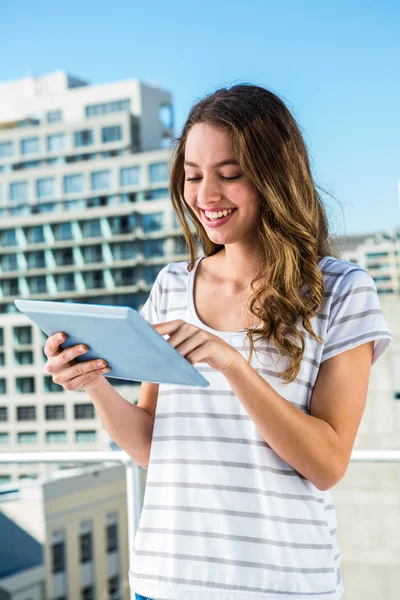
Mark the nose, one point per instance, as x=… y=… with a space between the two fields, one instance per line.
x=208 y=191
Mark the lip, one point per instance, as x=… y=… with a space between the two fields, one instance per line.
x=219 y=223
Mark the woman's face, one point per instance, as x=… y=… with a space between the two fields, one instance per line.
x=213 y=187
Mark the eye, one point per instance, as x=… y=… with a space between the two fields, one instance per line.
x=224 y=178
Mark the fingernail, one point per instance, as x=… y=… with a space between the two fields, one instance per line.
x=60 y=337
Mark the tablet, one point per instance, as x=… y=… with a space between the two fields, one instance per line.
x=133 y=349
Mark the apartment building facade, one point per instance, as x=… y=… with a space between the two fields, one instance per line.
x=85 y=216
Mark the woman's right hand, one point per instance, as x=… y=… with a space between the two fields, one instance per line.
x=66 y=371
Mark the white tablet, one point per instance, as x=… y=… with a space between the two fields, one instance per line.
x=132 y=348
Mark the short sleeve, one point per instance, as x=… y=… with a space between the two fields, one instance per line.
x=151 y=308
x=355 y=317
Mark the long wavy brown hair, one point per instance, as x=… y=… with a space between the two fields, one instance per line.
x=292 y=226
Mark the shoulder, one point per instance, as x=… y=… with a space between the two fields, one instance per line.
x=342 y=274
x=172 y=272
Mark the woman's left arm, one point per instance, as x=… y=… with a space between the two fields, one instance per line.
x=317 y=445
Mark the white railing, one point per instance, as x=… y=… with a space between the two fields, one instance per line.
x=133 y=476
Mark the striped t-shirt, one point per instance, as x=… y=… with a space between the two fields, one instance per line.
x=224 y=517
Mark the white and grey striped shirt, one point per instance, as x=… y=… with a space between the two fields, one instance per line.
x=224 y=517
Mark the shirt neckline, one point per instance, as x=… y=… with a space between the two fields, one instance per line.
x=192 y=309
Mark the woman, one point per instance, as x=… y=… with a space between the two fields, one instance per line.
x=237 y=502
x=238 y=499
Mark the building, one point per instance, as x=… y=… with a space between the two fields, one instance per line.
x=85 y=216
x=379 y=253
x=65 y=536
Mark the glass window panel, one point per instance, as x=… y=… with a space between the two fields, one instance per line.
x=53 y=116
x=6 y=149
x=85 y=436
x=111 y=133
x=56 y=141
x=19 y=191
x=152 y=222
x=129 y=176
x=101 y=180
x=84 y=137
x=158 y=172
x=73 y=183
x=45 y=188
x=27 y=437
x=30 y=145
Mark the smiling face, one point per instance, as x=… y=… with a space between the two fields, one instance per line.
x=210 y=186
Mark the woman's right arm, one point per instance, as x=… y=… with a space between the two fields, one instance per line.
x=130 y=426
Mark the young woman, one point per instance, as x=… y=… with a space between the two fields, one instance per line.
x=237 y=503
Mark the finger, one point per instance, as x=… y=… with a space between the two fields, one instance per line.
x=67 y=355
x=52 y=345
x=77 y=369
x=169 y=327
x=78 y=383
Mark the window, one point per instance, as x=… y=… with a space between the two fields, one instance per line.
x=4 y=438
x=19 y=191
x=84 y=411
x=94 y=279
x=45 y=188
x=92 y=254
x=23 y=357
x=3 y=386
x=129 y=176
x=30 y=146
x=87 y=593
x=73 y=184
x=55 y=142
x=35 y=234
x=153 y=222
x=5 y=479
x=58 y=557
x=56 y=437
x=27 y=437
x=23 y=334
x=105 y=107
x=158 y=172
x=101 y=180
x=6 y=149
x=65 y=281
x=83 y=138
x=113 y=588
x=111 y=133
x=53 y=116
x=54 y=412
x=3 y=413
x=8 y=237
x=64 y=256
x=153 y=248
x=85 y=436
x=25 y=385
x=111 y=538
x=85 y=544
x=35 y=259
x=37 y=284
x=26 y=413
x=63 y=231
x=91 y=228
x=9 y=262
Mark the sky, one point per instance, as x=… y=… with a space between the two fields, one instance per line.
x=335 y=64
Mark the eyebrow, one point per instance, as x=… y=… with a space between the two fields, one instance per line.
x=221 y=163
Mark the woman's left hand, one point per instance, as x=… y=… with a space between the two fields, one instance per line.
x=198 y=345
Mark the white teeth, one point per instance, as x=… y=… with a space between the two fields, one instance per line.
x=217 y=215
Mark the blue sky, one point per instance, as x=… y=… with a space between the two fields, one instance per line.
x=336 y=64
